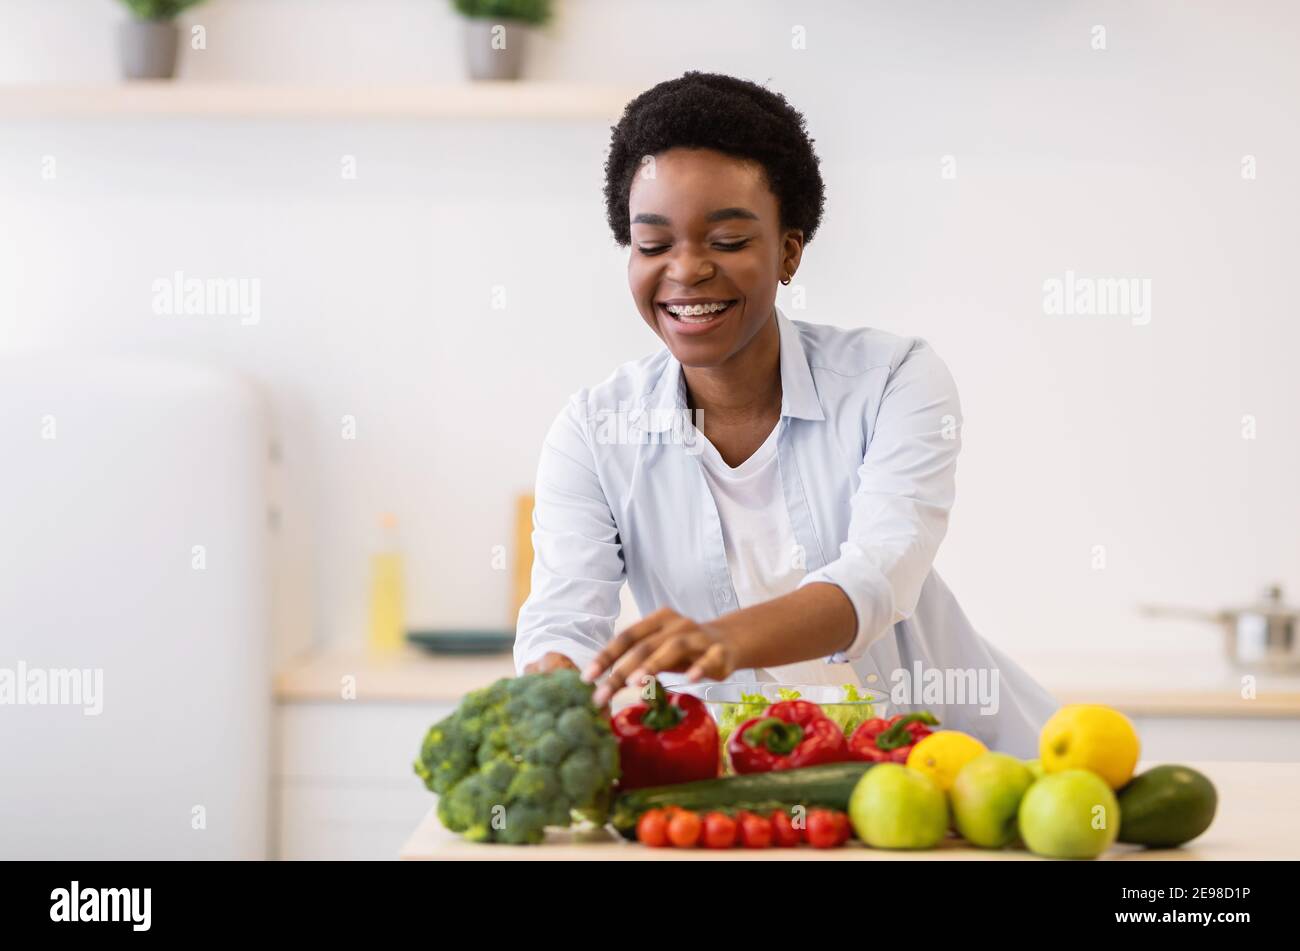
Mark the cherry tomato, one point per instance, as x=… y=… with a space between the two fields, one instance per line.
x=670 y=811
x=846 y=829
x=719 y=831
x=755 y=831
x=784 y=834
x=684 y=829
x=652 y=829
x=800 y=823
x=823 y=830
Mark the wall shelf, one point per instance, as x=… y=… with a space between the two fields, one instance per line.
x=530 y=100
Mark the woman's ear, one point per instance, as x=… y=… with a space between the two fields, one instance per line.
x=791 y=253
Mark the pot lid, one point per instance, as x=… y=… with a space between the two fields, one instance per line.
x=1270 y=603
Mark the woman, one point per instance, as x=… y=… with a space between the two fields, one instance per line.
x=774 y=492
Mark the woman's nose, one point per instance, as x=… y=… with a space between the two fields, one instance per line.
x=687 y=267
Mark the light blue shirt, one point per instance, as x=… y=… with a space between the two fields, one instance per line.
x=870 y=430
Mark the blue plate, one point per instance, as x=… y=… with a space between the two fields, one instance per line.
x=463 y=641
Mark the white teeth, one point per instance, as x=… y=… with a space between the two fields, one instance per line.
x=696 y=310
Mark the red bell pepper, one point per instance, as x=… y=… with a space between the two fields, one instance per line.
x=669 y=738
x=792 y=733
x=890 y=741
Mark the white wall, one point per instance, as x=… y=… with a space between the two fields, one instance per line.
x=1080 y=431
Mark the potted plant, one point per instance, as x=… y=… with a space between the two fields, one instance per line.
x=149 y=40
x=495 y=32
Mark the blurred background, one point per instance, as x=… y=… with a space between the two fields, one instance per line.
x=226 y=511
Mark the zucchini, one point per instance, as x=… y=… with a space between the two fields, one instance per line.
x=828 y=786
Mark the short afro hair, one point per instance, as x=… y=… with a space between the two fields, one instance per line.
x=715 y=111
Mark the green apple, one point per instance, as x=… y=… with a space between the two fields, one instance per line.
x=986 y=798
x=1069 y=815
x=1036 y=767
x=895 y=807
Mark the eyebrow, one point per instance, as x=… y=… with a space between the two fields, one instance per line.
x=722 y=214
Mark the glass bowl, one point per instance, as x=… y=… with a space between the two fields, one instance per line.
x=727 y=703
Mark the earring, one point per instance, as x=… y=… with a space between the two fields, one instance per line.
x=785 y=280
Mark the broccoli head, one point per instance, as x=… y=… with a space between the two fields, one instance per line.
x=518 y=756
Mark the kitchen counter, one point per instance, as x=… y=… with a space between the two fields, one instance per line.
x=406 y=675
x=1197 y=683
x=1255 y=821
x=1188 y=685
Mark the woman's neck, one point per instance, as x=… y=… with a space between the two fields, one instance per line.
x=739 y=402
x=747 y=385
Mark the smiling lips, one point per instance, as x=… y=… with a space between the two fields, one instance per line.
x=695 y=313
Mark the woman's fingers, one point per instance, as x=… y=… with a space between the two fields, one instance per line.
x=681 y=647
x=626 y=665
x=623 y=642
x=549 y=662
x=662 y=641
x=714 y=663
x=673 y=654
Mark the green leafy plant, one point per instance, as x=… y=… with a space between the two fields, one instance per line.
x=158 y=9
x=534 y=12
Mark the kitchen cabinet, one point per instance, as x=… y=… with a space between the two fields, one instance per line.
x=344 y=788
x=349 y=726
x=1180 y=739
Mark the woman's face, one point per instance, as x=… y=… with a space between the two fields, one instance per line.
x=706 y=235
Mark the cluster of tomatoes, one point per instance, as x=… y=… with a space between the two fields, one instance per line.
x=684 y=829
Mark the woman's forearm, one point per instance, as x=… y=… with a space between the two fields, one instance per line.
x=808 y=623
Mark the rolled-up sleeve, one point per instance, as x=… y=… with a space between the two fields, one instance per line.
x=900 y=510
x=578 y=568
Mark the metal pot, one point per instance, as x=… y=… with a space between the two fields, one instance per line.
x=1261 y=636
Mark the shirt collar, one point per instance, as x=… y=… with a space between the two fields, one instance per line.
x=665 y=404
x=798 y=391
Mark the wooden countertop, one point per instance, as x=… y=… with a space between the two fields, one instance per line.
x=1143 y=685
x=1255 y=821
x=1188 y=684
x=408 y=675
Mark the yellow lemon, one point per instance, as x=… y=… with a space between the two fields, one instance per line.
x=1090 y=736
x=941 y=755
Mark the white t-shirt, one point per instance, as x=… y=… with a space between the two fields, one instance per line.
x=762 y=554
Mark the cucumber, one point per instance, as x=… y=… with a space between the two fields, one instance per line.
x=1165 y=807
x=828 y=786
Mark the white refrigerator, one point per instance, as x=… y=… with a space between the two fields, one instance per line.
x=135 y=695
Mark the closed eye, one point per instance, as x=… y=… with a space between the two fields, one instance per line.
x=652 y=250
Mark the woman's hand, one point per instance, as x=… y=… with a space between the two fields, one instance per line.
x=815 y=620
x=662 y=641
x=549 y=662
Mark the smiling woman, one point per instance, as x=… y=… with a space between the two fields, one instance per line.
x=799 y=520
x=704 y=273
